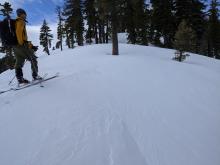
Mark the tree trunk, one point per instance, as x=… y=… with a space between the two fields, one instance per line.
x=114 y=31
x=61 y=43
x=96 y=35
x=209 y=50
x=67 y=39
x=47 y=50
x=100 y=32
x=181 y=56
x=72 y=41
x=89 y=35
x=103 y=32
x=106 y=34
x=80 y=39
x=114 y=42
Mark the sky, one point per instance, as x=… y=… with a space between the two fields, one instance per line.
x=37 y=10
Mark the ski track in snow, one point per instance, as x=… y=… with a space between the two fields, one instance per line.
x=122 y=110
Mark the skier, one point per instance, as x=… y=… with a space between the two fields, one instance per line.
x=24 y=50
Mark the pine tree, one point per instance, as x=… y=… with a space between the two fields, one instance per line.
x=6 y=10
x=90 y=16
x=111 y=10
x=198 y=22
x=183 y=10
x=214 y=30
x=101 y=14
x=45 y=37
x=113 y=14
x=129 y=19
x=136 y=21
x=79 y=25
x=60 y=28
x=162 y=22
x=121 y=16
x=141 y=22
x=192 y=11
x=102 y=21
x=8 y=61
x=185 y=39
x=69 y=35
x=68 y=26
x=74 y=21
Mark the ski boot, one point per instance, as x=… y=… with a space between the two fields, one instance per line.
x=37 y=78
x=22 y=81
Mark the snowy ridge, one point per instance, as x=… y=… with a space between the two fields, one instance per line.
x=137 y=108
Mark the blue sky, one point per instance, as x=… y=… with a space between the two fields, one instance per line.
x=37 y=10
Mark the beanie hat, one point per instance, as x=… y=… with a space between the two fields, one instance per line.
x=20 y=11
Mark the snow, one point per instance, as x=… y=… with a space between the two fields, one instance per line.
x=1 y=55
x=140 y=108
x=122 y=38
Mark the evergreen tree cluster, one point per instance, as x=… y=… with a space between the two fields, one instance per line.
x=104 y=19
x=156 y=23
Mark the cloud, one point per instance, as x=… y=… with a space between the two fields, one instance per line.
x=34 y=33
x=16 y=3
x=57 y=1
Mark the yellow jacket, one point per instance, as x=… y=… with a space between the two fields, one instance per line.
x=21 y=32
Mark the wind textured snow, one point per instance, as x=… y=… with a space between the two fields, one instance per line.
x=138 y=108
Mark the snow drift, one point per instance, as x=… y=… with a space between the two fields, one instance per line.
x=138 y=108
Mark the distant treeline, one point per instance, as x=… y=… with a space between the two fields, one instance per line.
x=159 y=22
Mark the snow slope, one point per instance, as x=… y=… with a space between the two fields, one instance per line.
x=139 y=108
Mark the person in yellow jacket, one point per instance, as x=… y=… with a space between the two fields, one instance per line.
x=24 y=50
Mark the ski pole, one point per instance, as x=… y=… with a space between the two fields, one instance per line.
x=12 y=80
x=13 y=77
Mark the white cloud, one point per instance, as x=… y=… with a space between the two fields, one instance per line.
x=16 y=3
x=34 y=34
x=57 y=1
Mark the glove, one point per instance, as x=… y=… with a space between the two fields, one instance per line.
x=34 y=48
x=27 y=44
x=30 y=45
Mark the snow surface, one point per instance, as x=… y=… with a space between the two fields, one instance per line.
x=2 y=55
x=139 y=108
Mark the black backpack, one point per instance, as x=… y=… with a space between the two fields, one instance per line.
x=8 y=33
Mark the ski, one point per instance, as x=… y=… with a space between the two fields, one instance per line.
x=31 y=84
x=36 y=83
x=1 y=92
